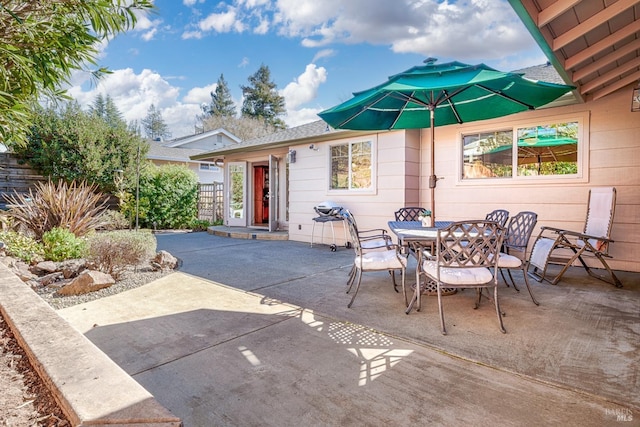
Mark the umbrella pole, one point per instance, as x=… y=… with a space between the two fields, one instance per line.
x=432 y=177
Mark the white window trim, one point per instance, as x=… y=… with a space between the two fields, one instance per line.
x=583 y=151
x=212 y=167
x=374 y=166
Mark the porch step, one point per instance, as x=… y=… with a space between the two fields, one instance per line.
x=247 y=233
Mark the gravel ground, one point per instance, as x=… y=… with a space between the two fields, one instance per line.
x=132 y=278
x=24 y=399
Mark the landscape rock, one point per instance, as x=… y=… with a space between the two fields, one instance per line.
x=49 y=278
x=87 y=281
x=164 y=261
x=72 y=268
x=45 y=267
x=22 y=270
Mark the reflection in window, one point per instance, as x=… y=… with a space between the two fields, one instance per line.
x=540 y=150
x=236 y=201
x=548 y=150
x=351 y=166
x=488 y=154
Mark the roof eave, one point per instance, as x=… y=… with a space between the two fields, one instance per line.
x=278 y=144
x=531 y=26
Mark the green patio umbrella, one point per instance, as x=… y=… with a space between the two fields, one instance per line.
x=436 y=95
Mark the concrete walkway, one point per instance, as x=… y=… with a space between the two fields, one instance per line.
x=257 y=333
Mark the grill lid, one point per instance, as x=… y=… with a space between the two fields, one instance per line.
x=328 y=208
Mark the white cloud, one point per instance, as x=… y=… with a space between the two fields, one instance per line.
x=147 y=27
x=483 y=29
x=192 y=35
x=305 y=88
x=149 y=34
x=134 y=93
x=473 y=29
x=263 y=26
x=251 y=4
x=324 y=53
x=198 y=95
x=222 y=22
x=302 y=116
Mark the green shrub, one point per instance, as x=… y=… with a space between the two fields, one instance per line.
x=20 y=246
x=61 y=244
x=114 y=220
x=168 y=197
x=76 y=207
x=114 y=251
x=199 y=225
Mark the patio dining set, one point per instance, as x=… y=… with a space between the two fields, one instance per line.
x=451 y=256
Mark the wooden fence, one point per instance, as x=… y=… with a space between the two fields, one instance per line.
x=211 y=202
x=16 y=177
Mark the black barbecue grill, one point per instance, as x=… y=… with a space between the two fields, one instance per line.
x=328 y=212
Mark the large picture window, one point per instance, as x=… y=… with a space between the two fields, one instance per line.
x=539 y=150
x=351 y=166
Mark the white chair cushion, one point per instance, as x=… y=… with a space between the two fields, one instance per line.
x=458 y=276
x=508 y=261
x=374 y=245
x=381 y=260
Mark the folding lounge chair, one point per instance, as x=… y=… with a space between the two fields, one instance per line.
x=593 y=241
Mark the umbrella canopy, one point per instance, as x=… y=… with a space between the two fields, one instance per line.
x=436 y=95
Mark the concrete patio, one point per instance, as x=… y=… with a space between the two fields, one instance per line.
x=257 y=332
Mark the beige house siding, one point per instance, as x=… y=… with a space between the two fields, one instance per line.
x=610 y=153
x=613 y=138
x=397 y=184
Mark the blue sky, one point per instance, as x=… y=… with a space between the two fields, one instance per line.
x=318 y=51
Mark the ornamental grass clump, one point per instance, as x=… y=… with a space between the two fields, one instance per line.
x=113 y=251
x=75 y=207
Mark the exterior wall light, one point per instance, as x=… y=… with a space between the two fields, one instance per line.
x=291 y=156
x=635 y=98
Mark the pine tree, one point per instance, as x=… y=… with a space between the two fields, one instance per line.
x=154 y=125
x=106 y=109
x=261 y=99
x=221 y=101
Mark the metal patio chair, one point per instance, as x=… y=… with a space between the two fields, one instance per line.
x=499 y=215
x=466 y=256
x=369 y=257
x=407 y=214
x=594 y=241
x=514 y=248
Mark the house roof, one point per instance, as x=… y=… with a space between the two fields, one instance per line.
x=320 y=131
x=314 y=131
x=198 y=136
x=158 y=151
x=593 y=44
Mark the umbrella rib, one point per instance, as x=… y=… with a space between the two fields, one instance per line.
x=502 y=95
x=406 y=99
x=453 y=107
x=362 y=110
